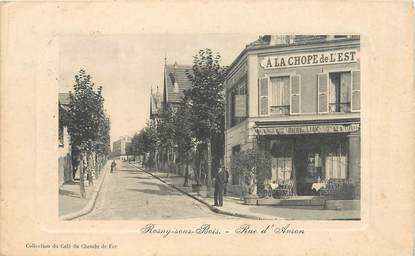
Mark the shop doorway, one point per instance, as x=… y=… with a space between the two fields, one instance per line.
x=308 y=165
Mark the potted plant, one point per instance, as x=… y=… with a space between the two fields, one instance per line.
x=253 y=167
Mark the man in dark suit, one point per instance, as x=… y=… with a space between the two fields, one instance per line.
x=220 y=181
x=226 y=182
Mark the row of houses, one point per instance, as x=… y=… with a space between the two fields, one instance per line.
x=295 y=97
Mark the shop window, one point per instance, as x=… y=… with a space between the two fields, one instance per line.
x=237 y=102
x=336 y=162
x=281 y=161
x=314 y=166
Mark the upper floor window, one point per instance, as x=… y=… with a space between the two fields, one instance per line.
x=237 y=104
x=280 y=95
x=338 y=92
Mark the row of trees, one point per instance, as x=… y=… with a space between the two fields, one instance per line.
x=195 y=127
x=88 y=127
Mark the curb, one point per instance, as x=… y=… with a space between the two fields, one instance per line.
x=212 y=208
x=90 y=205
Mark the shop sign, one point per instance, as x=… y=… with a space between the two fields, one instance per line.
x=309 y=129
x=310 y=59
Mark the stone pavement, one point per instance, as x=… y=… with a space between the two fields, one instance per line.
x=70 y=200
x=235 y=207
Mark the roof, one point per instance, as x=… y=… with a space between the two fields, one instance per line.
x=176 y=81
x=155 y=103
x=64 y=98
x=284 y=40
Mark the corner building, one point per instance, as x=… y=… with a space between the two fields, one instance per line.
x=297 y=98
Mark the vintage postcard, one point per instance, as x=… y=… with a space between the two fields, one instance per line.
x=207 y=128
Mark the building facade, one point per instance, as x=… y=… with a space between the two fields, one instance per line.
x=297 y=98
x=119 y=147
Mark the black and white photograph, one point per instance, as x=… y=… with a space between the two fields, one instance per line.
x=231 y=128
x=209 y=126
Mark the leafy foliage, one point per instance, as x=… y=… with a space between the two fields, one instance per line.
x=206 y=96
x=251 y=163
x=88 y=124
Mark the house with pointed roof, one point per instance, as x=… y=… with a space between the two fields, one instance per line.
x=176 y=81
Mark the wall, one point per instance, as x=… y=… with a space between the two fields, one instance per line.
x=308 y=79
x=64 y=159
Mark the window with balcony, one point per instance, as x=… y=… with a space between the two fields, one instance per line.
x=279 y=95
x=339 y=92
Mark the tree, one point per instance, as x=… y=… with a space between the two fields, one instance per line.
x=206 y=100
x=253 y=167
x=183 y=134
x=165 y=135
x=88 y=126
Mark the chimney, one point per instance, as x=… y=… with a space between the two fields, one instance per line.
x=279 y=40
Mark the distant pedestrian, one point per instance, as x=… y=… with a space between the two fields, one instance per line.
x=220 y=180
x=226 y=182
x=113 y=165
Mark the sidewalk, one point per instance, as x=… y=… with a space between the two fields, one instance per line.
x=70 y=200
x=234 y=206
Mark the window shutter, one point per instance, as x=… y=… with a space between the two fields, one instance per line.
x=323 y=93
x=355 y=101
x=295 y=94
x=263 y=96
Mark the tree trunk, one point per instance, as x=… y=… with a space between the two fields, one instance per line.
x=209 y=160
x=186 y=175
x=89 y=168
x=168 y=161
x=198 y=166
x=81 y=178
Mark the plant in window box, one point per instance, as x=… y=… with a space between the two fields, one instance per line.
x=253 y=167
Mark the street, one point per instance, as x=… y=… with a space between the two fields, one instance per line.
x=131 y=194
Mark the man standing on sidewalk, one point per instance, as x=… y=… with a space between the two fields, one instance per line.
x=226 y=182
x=220 y=181
x=113 y=165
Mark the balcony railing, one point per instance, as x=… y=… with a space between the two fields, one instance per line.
x=280 y=110
x=339 y=107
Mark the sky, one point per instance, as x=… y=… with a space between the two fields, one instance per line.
x=128 y=66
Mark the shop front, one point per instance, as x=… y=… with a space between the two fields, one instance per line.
x=309 y=156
